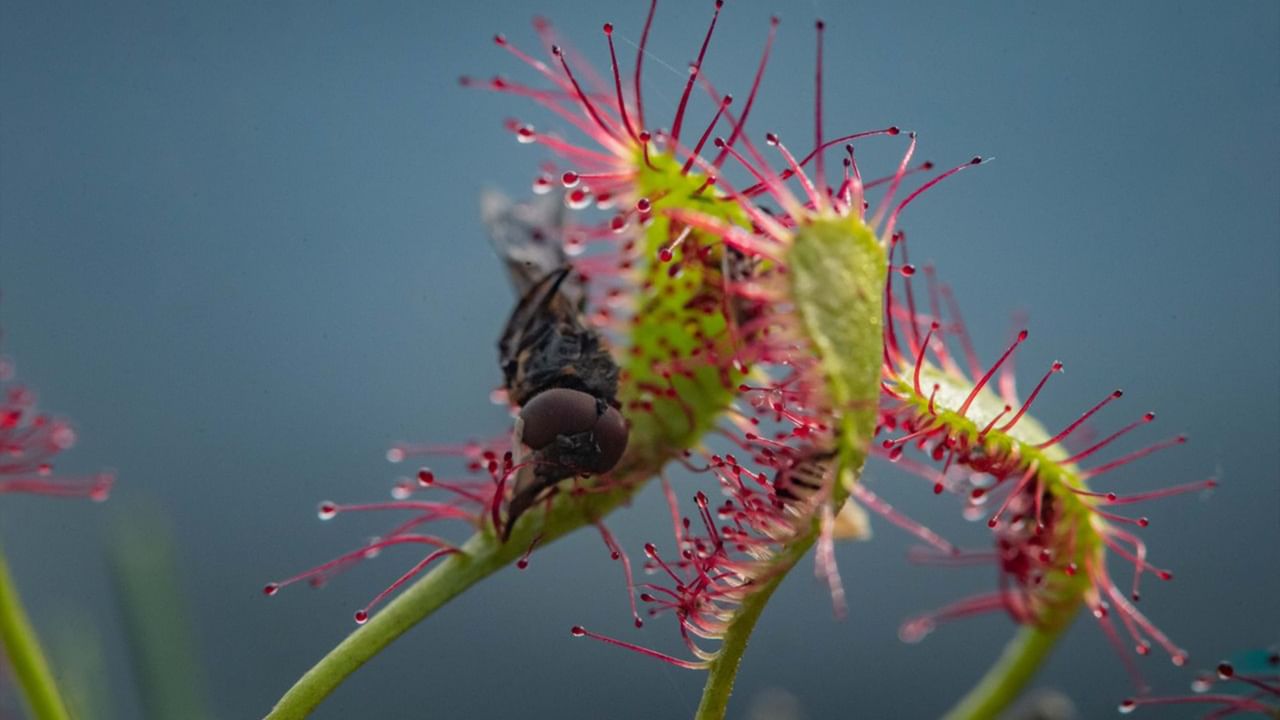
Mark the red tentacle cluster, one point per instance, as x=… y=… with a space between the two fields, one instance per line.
x=29 y=443
x=1052 y=532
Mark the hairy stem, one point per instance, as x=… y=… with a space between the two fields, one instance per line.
x=1010 y=674
x=22 y=647
x=723 y=670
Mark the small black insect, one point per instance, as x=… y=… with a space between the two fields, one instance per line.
x=554 y=365
x=802 y=477
x=739 y=268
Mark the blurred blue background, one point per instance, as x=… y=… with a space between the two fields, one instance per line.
x=239 y=247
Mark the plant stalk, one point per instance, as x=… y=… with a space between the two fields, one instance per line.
x=22 y=647
x=1002 y=684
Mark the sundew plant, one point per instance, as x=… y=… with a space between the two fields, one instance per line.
x=734 y=364
x=760 y=300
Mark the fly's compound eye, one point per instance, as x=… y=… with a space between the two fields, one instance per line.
x=561 y=411
x=611 y=435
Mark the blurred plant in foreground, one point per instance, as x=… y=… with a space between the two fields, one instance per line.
x=146 y=573
x=29 y=442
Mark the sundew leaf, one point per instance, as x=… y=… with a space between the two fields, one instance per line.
x=1054 y=532
x=680 y=357
x=837 y=268
x=835 y=273
x=1077 y=533
x=1063 y=591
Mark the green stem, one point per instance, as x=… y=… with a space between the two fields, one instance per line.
x=723 y=670
x=1010 y=674
x=25 y=656
x=480 y=557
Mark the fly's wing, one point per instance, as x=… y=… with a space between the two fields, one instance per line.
x=529 y=238
x=547 y=344
x=529 y=329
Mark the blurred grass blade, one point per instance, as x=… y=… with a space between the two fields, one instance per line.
x=26 y=658
x=77 y=649
x=155 y=615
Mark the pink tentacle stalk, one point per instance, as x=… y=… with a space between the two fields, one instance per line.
x=1253 y=692
x=612 y=122
x=473 y=500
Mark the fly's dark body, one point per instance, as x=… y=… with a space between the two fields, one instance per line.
x=555 y=366
x=547 y=345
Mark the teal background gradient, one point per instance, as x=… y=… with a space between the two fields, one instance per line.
x=239 y=247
